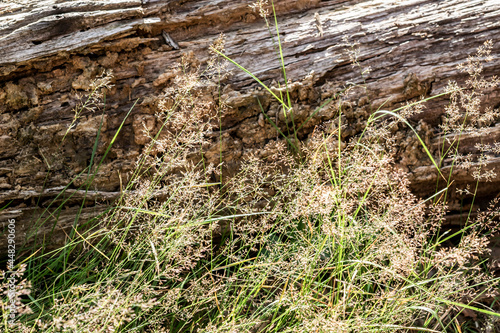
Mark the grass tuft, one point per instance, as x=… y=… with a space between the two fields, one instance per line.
x=333 y=241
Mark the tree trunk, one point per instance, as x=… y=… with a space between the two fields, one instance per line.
x=51 y=50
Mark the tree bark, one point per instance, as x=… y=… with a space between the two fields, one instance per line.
x=51 y=50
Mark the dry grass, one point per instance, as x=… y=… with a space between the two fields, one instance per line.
x=328 y=239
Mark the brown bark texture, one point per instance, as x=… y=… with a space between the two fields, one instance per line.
x=51 y=50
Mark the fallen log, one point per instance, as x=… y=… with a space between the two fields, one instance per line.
x=52 y=50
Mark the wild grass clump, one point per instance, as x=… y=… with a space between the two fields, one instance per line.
x=324 y=236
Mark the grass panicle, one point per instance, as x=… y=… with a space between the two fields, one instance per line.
x=333 y=241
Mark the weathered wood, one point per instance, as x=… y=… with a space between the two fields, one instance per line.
x=50 y=50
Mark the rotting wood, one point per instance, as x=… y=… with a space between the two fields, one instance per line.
x=50 y=50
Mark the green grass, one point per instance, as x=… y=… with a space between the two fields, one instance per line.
x=321 y=237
